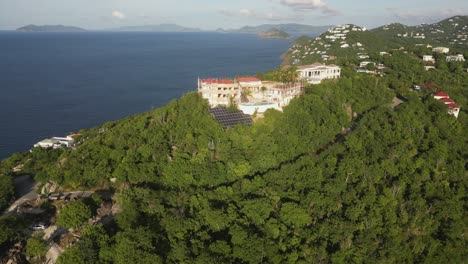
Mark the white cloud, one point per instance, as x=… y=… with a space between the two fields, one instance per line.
x=118 y=14
x=249 y=13
x=244 y=12
x=306 y=5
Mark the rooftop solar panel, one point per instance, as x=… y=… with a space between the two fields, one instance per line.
x=229 y=118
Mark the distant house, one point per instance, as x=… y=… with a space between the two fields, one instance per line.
x=458 y=57
x=429 y=58
x=441 y=95
x=381 y=66
x=317 y=72
x=218 y=91
x=363 y=56
x=453 y=108
x=362 y=70
x=441 y=50
x=55 y=142
x=429 y=68
x=384 y=53
x=365 y=63
x=250 y=94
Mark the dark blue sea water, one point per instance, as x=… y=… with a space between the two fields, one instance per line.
x=55 y=83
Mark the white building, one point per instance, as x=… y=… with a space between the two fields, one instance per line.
x=429 y=68
x=441 y=50
x=458 y=57
x=428 y=58
x=250 y=94
x=219 y=91
x=55 y=142
x=365 y=63
x=317 y=72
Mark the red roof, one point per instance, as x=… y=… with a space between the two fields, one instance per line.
x=218 y=81
x=441 y=94
x=208 y=80
x=248 y=79
x=453 y=106
x=225 y=81
x=447 y=100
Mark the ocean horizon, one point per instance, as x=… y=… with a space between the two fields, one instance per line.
x=52 y=84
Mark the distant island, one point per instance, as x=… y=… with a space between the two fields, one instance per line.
x=274 y=34
x=49 y=28
x=264 y=30
x=291 y=28
x=159 y=28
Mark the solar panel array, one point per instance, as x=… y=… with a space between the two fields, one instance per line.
x=230 y=117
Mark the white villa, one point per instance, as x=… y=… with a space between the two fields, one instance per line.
x=458 y=57
x=317 y=72
x=365 y=63
x=56 y=142
x=250 y=94
x=441 y=50
x=428 y=58
x=219 y=91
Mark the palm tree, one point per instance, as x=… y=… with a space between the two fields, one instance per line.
x=264 y=89
x=245 y=93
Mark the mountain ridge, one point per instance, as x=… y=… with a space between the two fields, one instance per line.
x=50 y=28
x=351 y=41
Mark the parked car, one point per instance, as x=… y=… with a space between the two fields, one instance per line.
x=55 y=196
x=38 y=226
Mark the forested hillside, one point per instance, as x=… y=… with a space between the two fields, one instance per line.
x=338 y=177
x=351 y=41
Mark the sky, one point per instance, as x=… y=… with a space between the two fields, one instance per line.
x=227 y=14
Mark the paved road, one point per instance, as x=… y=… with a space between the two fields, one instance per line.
x=25 y=188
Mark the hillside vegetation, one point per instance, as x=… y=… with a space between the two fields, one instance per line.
x=350 y=41
x=338 y=177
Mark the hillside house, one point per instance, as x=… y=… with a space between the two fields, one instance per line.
x=250 y=94
x=441 y=50
x=219 y=91
x=364 y=64
x=55 y=142
x=315 y=73
x=458 y=57
x=453 y=108
x=428 y=58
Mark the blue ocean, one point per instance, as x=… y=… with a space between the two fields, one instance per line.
x=52 y=84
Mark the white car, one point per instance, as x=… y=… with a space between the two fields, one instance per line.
x=39 y=226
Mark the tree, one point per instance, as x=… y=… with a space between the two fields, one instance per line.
x=72 y=255
x=36 y=247
x=7 y=191
x=11 y=228
x=74 y=214
x=371 y=66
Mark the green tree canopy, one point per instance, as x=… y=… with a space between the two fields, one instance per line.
x=74 y=214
